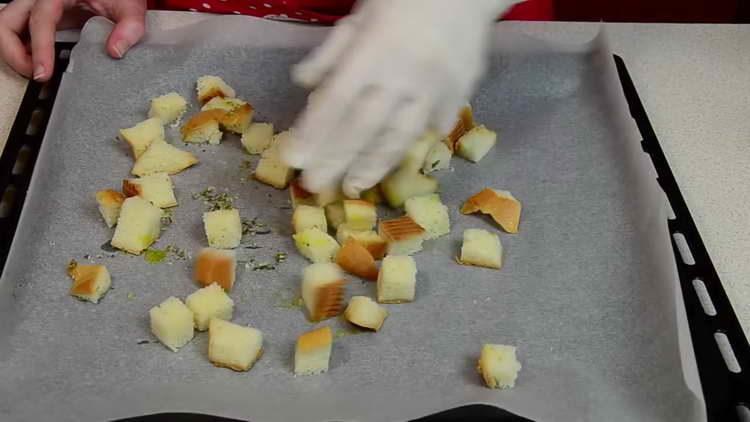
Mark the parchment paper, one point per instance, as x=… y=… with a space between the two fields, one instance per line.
x=587 y=292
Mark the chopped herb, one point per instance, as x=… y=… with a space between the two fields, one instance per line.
x=263 y=266
x=252 y=246
x=154 y=256
x=285 y=207
x=178 y=253
x=167 y=217
x=215 y=201
x=281 y=257
x=131 y=295
x=296 y=303
x=435 y=164
x=253 y=227
x=144 y=341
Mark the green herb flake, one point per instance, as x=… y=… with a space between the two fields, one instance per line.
x=155 y=256
x=131 y=295
x=215 y=201
x=263 y=266
x=281 y=257
x=295 y=303
x=167 y=217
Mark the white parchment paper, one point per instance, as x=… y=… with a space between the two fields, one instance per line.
x=587 y=293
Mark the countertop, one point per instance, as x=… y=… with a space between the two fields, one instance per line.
x=694 y=82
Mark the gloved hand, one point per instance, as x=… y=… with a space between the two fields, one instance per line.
x=40 y=19
x=385 y=74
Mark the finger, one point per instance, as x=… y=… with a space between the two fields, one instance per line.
x=42 y=26
x=130 y=25
x=368 y=118
x=313 y=69
x=325 y=109
x=13 y=52
x=388 y=149
x=15 y=15
x=446 y=114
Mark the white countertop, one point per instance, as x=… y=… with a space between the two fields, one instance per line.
x=695 y=85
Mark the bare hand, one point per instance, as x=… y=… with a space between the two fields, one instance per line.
x=28 y=27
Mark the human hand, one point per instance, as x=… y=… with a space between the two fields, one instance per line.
x=386 y=74
x=28 y=27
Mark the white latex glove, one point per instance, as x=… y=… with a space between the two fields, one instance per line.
x=386 y=74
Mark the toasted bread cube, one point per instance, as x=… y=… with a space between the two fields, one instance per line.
x=90 y=282
x=138 y=227
x=306 y=217
x=402 y=185
x=216 y=266
x=464 y=124
x=210 y=302
x=323 y=291
x=335 y=215
x=430 y=214
x=156 y=188
x=373 y=195
x=172 y=323
x=439 y=158
x=359 y=214
x=273 y=172
x=168 y=108
x=476 y=143
x=498 y=365
x=140 y=136
x=316 y=245
x=299 y=195
x=482 y=249
x=233 y=346
x=210 y=86
x=313 y=352
x=365 y=312
x=397 y=280
x=223 y=228
x=403 y=234
x=499 y=204
x=257 y=137
x=110 y=201
x=161 y=157
x=203 y=128
x=238 y=113
x=355 y=259
x=373 y=242
x=328 y=196
x=414 y=158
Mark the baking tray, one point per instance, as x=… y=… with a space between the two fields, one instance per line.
x=719 y=408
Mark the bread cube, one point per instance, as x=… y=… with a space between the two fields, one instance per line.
x=397 y=280
x=161 y=157
x=299 y=195
x=355 y=259
x=90 y=282
x=476 y=143
x=237 y=113
x=168 y=108
x=482 y=249
x=403 y=234
x=323 y=291
x=359 y=214
x=373 y=242
x=373 y=195
x=313 y=352
x=140 y=136
x=273 y=172
x=498 y=365
x=110 y=201
x=402 y=185
x=414 y=157
x=257 y=137
x=138 y=226
x=328 y=196
x=306 y=217
x=499 y=204
x=316 y=245
x=223 y=228
x=233 y=346
x=172 y=323
x=439 y=158
x=210 y=86
x=215 y=266
x=335 y=215
x=365 y=312
x=203 y=128
x=464 y=124
x=430 y=213
x=208 y=303
x=156 y=188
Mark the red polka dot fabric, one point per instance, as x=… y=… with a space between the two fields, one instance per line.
x=324 y=12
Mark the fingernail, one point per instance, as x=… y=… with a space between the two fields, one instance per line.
x=121 y=47
x=38 y=72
